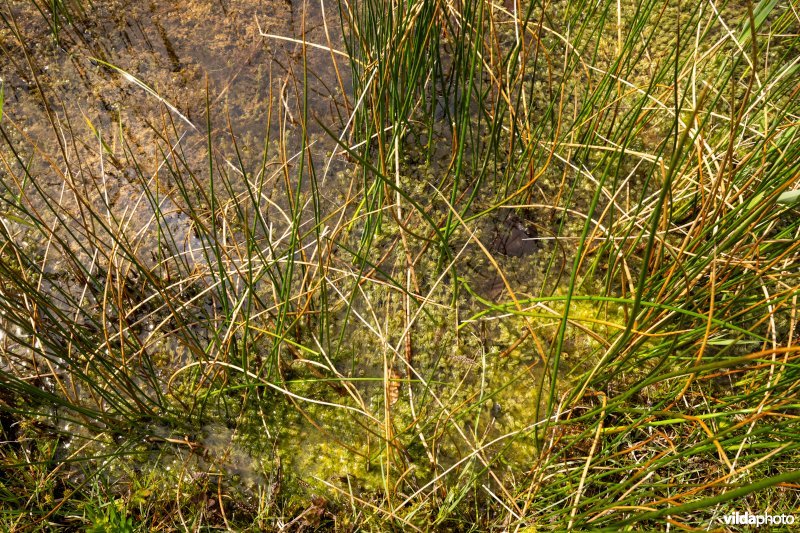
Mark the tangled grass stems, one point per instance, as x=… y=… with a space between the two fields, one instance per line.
x=557 y=290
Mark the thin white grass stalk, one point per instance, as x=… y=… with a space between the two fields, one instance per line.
x=788 y=70
x=501 y=502
x=773 y=328
x=748 y=466
x=302 y=42
x=346 y=274
x=283 y=166
x=473 y=454
x=270 y=385
x=635 y=486
x=139 y=83
x=539 y=475
x=176 y=310
x=600 y=147
x=32 y=306
x=351 y=390
x=285 y=99
x=396 y=349
x=142 y=85
x=364 y=321
x=130 y=208
x=416 y=315
x=486 y=252
x=366 y=503
x=772 y=378
x=585 y=472
x=107 y=202
x=290 y=342
x=209 y=288
x=232 y=318
x=85 y=289
x=428 y=299
x=350 y=119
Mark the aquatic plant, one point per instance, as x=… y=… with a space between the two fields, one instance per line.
x=461 y=265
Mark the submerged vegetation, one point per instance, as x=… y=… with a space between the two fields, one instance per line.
x=424 y=265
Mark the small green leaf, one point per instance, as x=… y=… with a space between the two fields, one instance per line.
x=789 y=197
x=754 y=201
x=760 y=14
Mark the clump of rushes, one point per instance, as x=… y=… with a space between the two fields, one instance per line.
x=556 y=289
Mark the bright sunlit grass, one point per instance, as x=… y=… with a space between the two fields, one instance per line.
x=477 y=266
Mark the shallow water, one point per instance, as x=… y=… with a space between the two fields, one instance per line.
x=122 y=141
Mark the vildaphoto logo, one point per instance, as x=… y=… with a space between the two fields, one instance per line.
x=748 y=519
